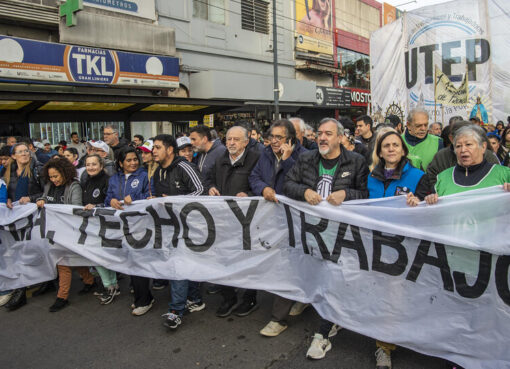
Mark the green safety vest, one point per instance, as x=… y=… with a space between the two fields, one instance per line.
x=422 y=154
x=446 y=184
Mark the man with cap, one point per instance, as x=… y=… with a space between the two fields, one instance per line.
x=184 y=148
x=47 y=152
x=103 y=150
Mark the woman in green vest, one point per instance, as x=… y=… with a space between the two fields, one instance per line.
x=472 y=170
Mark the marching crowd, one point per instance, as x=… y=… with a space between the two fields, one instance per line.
x=344 y=160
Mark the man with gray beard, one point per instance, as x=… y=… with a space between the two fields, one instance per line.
x=333 y=174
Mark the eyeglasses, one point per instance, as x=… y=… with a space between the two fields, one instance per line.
x=22 y=152
x=276 y=137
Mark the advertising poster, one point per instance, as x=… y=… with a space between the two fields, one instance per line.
x=314 y=26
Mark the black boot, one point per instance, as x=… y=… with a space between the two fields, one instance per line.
x=87 y=288
x=43 y=288
x=59 y=304
x=18 y=299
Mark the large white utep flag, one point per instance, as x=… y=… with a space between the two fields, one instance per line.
x=455 y=35
x=376 y=267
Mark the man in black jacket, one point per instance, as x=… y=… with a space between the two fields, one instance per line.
x=230 y=178
x=333 y=174
x=174 y=176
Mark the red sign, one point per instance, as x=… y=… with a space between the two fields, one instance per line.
x=360 y=97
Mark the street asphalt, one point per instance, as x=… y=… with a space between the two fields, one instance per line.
x=88 y=335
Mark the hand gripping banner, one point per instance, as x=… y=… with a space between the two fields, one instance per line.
x=431 y=278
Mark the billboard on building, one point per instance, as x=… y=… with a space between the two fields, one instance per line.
x=458 y=35
x=314 y=26
x=390 y=13
x=139 y=8
x=22 y=59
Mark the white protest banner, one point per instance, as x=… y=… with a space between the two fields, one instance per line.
x=456 y=35
x=431 y=278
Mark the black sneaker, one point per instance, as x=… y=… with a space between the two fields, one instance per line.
x=18 y=299
x=43 y=288
x=159 y=284
x=213 y=289
x=109 y=295
x=246 y=308
x=87 y=288
x=193 y=306
x=172 y=320
x=226 y=308
x=58 y=305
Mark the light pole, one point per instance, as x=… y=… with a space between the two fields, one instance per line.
x=276 y=89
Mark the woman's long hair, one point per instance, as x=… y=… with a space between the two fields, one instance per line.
x=26 y=170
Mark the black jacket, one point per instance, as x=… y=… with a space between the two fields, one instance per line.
x=95 y=188
x=35 y=185
x=179 y=178
x=351 y=175
x=309 y=144
x=205 y=160
x=230 y=179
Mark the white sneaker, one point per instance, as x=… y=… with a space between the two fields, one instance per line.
x=273 y=329
x=140 y=310
x=382 y=359
x=4 y=299
x=298 y=308
x=318 y=347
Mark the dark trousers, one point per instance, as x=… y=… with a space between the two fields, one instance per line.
x=281 y=309
x=141 y=287
x=325 y=327
x=229 y=294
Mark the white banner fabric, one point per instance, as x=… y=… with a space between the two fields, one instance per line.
x=455 y=35
x=430 y=278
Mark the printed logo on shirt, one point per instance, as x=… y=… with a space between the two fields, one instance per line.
x=402 y=191
x=325 y=185
x=135 y=183
x=345 y=174
x=96 y=193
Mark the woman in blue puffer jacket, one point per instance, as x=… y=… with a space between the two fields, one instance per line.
x=130 y=183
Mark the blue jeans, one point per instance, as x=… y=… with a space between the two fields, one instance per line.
x=180 y=291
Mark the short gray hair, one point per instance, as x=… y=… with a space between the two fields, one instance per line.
x=302 y=124
x=308 y=127
x=415 y=111
x=339 y=127
x=245 y=131
x=114 y=129
x=472 y=130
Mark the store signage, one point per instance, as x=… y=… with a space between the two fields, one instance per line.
x=139 y=8
x=209 y=120
x=28 y=60
x=68 y=10
x=360 y=97
x=334 y=98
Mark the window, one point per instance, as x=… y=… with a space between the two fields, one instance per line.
x=356 y=67
x=211 y=10
x=255 y=15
